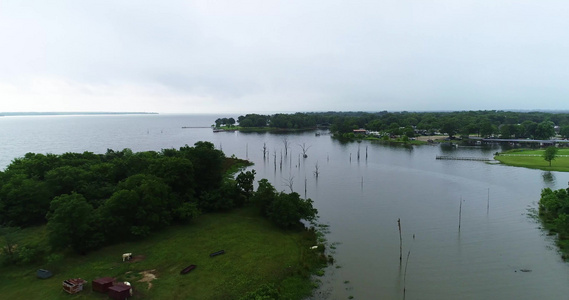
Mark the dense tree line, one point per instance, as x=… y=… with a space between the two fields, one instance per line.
x=505 y=124
x=89 y=200
x=225 y=122
x=284 y=121
x=554 y=210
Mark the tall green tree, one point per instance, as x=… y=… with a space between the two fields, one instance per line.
x=564 y=131
x=486 y=128
x=530 y=128
x=141 y=203
x=506 y=131
x=178 y=173
x=545 y=130
x=450 y=127
x=554 y=208
x=208 y=165
x=71 y=223
x=264 y=196
x=286 y=210
x=24 y=201
x=245 y=182
x=550 y=154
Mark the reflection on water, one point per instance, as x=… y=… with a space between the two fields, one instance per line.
x=548 y=179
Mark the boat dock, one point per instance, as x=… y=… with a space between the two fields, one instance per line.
x=462 y=158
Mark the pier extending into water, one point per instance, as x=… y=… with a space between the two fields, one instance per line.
x=462 y=158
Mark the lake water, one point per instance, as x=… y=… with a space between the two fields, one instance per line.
x=362 y=200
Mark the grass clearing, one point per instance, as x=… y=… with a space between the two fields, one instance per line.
x=257 y=253
x=560 y=164
x=561 y=151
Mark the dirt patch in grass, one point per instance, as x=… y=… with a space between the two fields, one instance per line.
x=148 y=276
x=137 y=258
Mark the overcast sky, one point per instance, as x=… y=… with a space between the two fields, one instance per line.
x=266 y=56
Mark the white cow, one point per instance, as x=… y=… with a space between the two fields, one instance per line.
x=128 y=284
x=126 y=256
x=314 y=247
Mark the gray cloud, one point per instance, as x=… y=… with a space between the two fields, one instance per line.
x=199 y=56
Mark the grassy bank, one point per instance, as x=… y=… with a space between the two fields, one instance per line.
x=257 y=253
x=533 y=159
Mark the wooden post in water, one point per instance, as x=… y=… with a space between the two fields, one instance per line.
x=400 y=241
x=488 y=205
x=366 y=152
x=305 y=180
x=281 y=163
x=459 y=213
x=358 y=152
x=405 y=274
x=350 y=156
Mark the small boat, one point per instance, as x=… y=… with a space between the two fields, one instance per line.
x=188 y=269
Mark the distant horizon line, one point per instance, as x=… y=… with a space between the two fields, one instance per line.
x=59 y=113
x=55 y=113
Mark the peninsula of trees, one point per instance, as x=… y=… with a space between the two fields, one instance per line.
x=504 y=124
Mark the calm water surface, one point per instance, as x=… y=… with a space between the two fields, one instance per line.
x=362 y=200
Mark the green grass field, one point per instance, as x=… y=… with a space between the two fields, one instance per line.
x=256 y=253
x=518 y=158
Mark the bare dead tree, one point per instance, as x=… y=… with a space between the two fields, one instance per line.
x=289 y=182
x=286 y=143
x=275 y=159
x=265 y=151
x=316 y=171
x=304 y=149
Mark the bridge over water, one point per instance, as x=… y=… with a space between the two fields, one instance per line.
x=519 y=141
